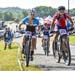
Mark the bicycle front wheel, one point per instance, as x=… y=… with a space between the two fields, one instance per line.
x=27 y=49
x=67 y=52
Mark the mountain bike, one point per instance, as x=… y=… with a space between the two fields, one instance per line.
x=28 y=37
x=63 y=47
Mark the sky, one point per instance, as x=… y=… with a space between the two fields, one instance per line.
x=27 y=4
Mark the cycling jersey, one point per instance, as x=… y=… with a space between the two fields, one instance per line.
x=33 y=27
x=35 y=21
x=61 y=20
x=46 y=30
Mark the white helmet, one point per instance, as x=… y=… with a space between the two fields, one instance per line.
x=32 y=12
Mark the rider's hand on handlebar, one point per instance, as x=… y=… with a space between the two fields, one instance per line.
x=51 y=31
x=70 y=29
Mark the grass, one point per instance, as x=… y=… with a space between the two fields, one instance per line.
x=72 y=39
x=8 y=59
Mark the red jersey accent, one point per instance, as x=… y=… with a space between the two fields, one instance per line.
x=62 y=20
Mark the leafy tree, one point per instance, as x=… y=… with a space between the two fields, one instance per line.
x=8 y=16
x=24 y=13
x=72 y=12
x=1 y=15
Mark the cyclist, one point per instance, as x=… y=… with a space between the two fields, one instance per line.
x=46 y=31
x=30 y=20
x=60 y=22
x=8 y=37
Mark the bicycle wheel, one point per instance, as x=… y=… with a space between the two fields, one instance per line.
x=55 y=49
x=58 y=52
x=27 y=51
x=59 y=55
x=47 y=49
x=66 y=52
x=44 y=47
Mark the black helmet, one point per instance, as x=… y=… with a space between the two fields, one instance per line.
x=61 y=8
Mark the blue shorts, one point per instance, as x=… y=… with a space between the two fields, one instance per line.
x=57 y=27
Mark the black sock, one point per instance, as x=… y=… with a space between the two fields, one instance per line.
x=32 y=52
x=23 y=49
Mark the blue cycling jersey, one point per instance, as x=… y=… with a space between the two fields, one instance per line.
x=35 y=21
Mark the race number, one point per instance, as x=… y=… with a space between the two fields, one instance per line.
x=45 y=37
x=62 y=31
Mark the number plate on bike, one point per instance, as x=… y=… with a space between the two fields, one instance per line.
x=45 y=37
x=27 y=33
x=62 y=31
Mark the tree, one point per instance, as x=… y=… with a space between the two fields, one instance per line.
x=1 y=15
x=8 y=16
x=24 y=13
x=72 y=12
x=45 y=11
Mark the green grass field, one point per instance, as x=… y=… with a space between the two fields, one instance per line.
x=72 y=39
x=8 y=59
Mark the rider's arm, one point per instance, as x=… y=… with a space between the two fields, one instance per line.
x=38 y=26
x=23 y=21
x=69 y=17
x=54 y=19
x=20 y=24
x=53 y=24
x=71 y=21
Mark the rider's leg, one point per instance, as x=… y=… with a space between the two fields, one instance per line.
x=33 y=44
x=55 y=40
x=55 y=36
x=23 y=44
x=33 y=47
x=42 y=41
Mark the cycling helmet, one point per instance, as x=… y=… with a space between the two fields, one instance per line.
x=32 y=11
x=61 y=8
x=47 y=22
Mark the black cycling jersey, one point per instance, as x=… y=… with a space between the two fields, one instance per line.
x=31 y=28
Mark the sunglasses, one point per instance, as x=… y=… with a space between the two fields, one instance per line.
x=32 y=14
x=61 y=9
